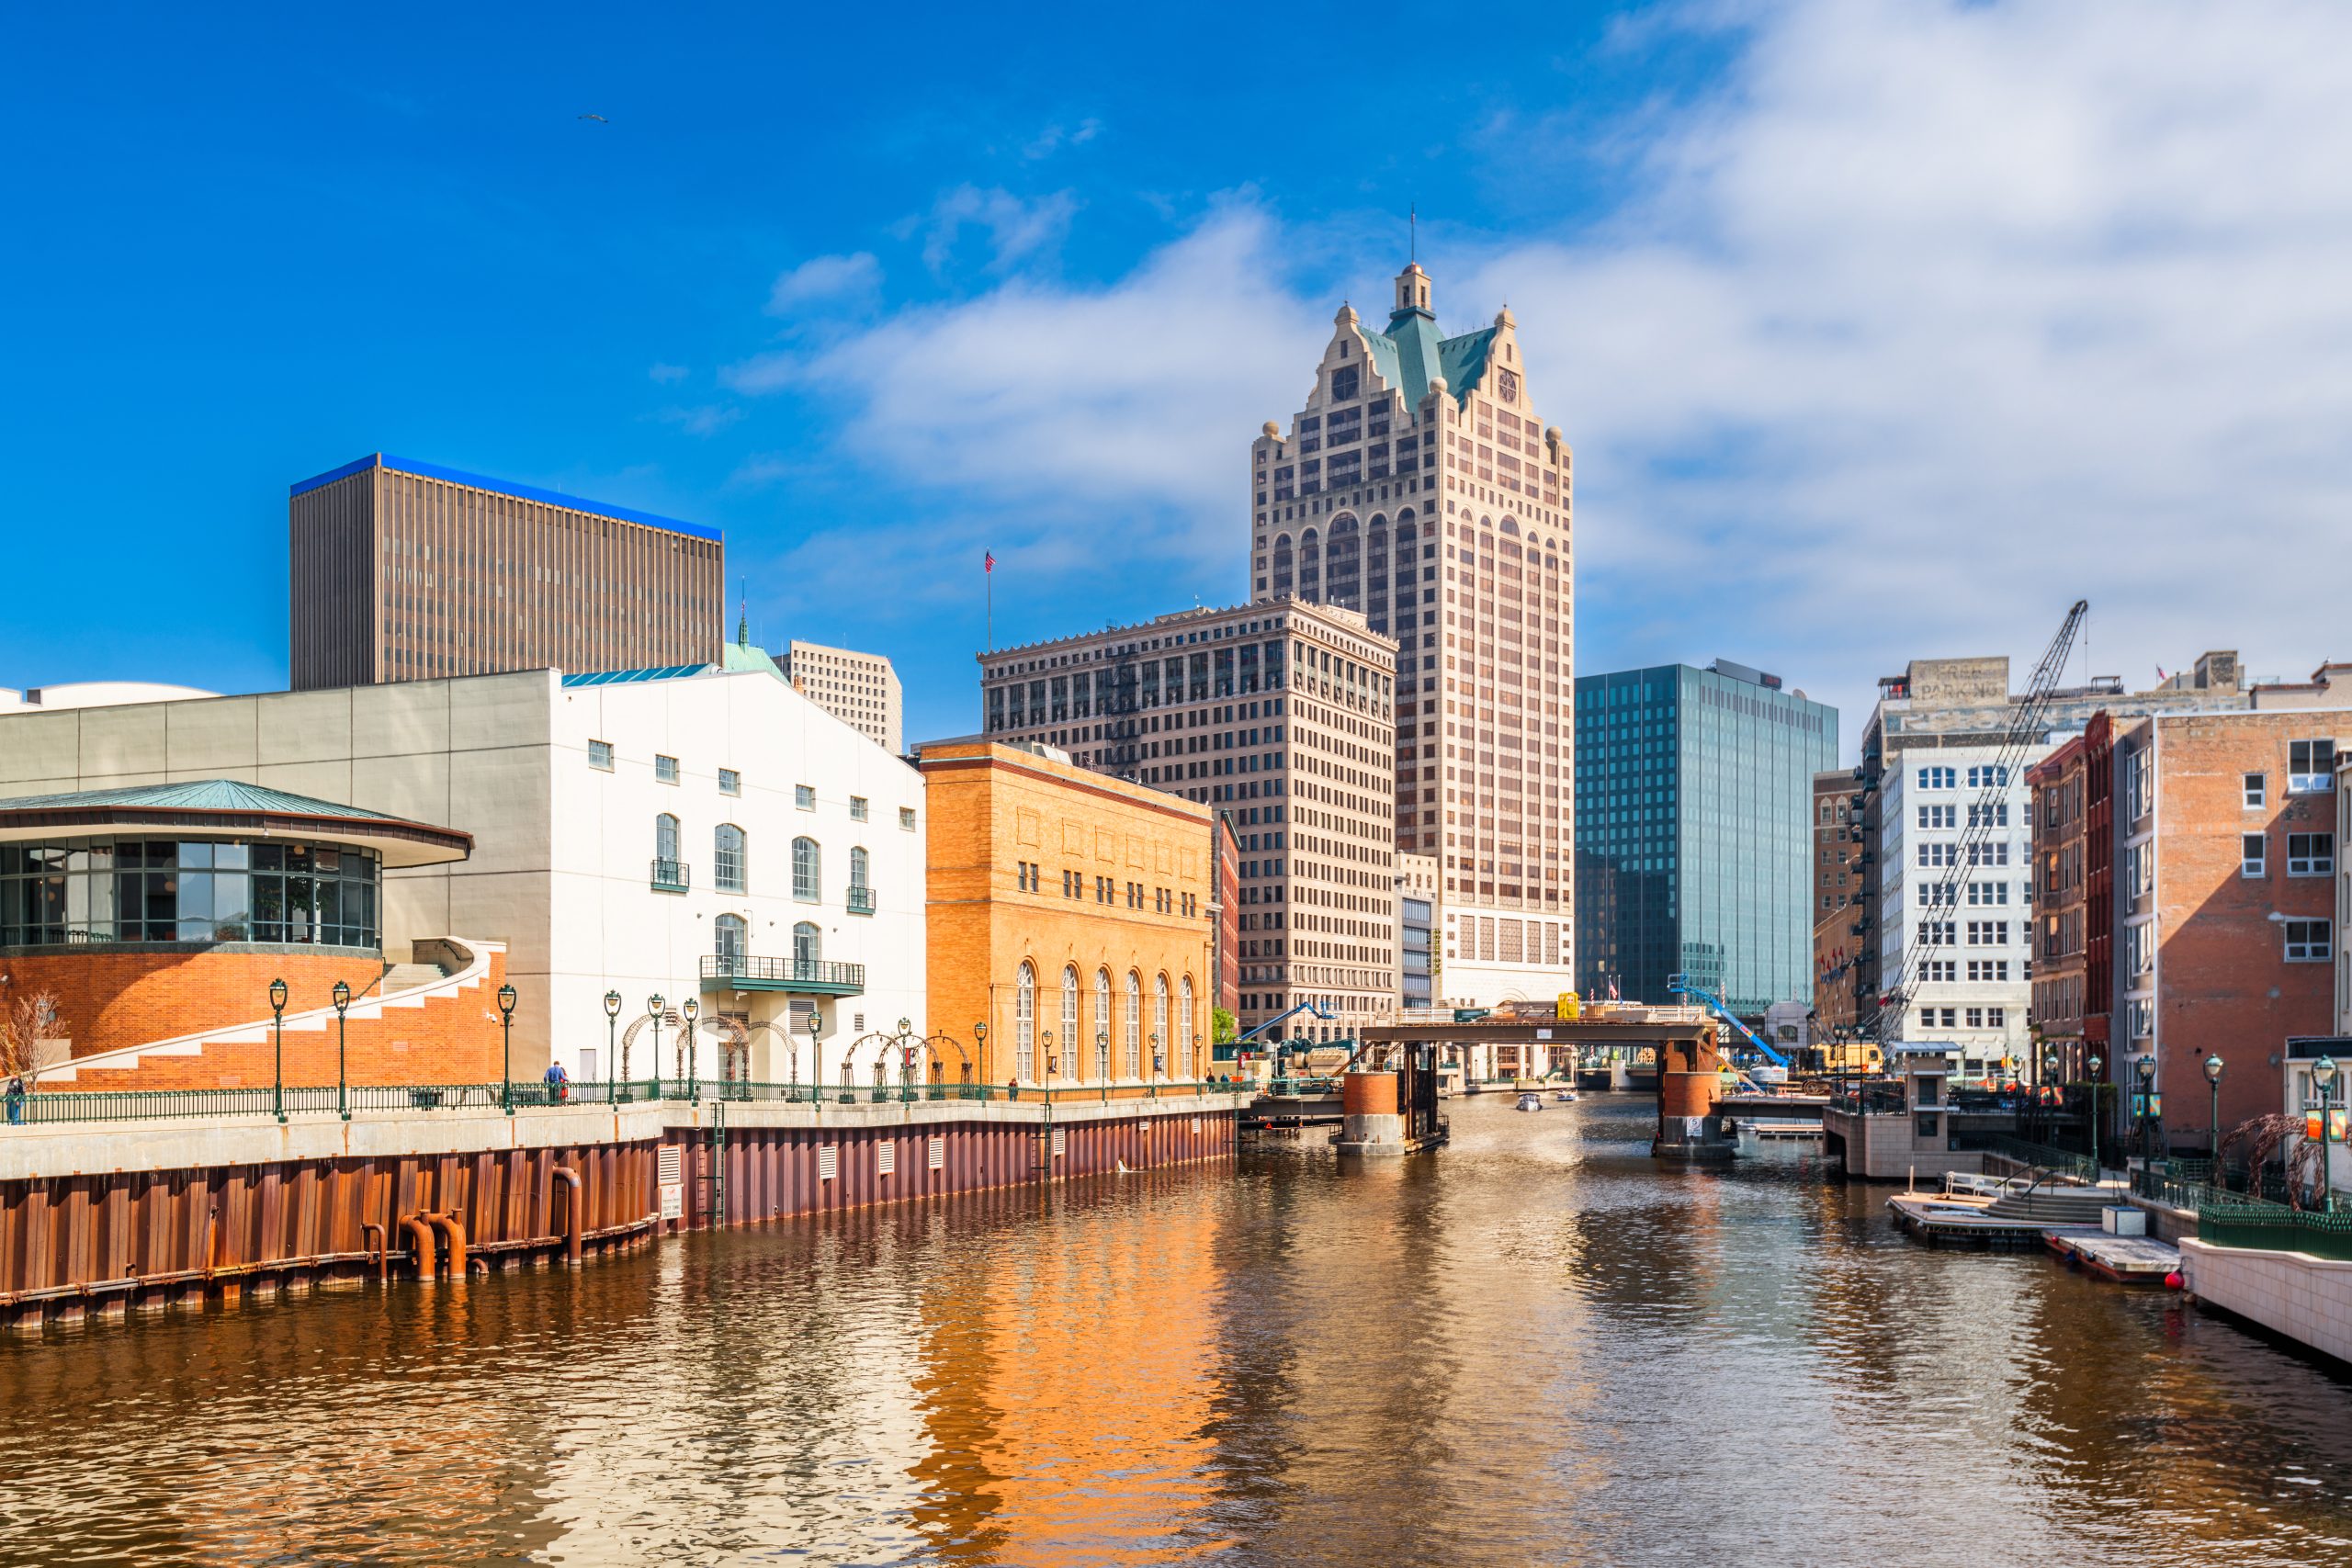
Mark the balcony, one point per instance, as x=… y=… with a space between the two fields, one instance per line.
x=861 y=900
x=742 y=972
x=671 y=876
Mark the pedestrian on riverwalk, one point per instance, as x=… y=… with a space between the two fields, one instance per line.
x=16 y=1098
x=559 y=1084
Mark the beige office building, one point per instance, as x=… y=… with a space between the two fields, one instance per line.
x=1280 y=715
x=861 y=690
x=406 y=571
x=1419 y=489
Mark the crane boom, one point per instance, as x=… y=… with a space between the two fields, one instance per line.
x=2027 y=729
x=1722 y=1010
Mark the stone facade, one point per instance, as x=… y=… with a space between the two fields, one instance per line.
x=1279 y=715
x=1418 y=487
x=861 y=690
x=1066 y=907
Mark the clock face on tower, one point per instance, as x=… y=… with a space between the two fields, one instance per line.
x=1508 y=384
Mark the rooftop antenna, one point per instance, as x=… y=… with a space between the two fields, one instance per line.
x=1413 y=228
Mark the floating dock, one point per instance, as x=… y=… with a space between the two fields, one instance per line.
x=2127 y=1259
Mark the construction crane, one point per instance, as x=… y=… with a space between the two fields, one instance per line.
x=1986 y=815
x=1722 y=1010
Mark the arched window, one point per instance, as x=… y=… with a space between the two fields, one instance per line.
x=728 y=868
x=1024 y=1024
x=1069 y=1020
x=1310 y=566
x=1135 y=1024
x=1285 y=567
x=860 y=891
x=730 y=938
x=808 y=947
x=1343 y=568
x=1103 y=1024
x=665 y=839
x=1165 y=1051
x=807 y=869
x=1184 y=1036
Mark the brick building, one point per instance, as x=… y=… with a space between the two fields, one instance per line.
x=2224 y=902
x=1070 y=913
x=1837 y=890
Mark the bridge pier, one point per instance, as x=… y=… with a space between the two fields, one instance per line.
x=1689 y=1082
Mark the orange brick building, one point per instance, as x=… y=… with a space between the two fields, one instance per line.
x=154 y=920
x=1069 y=912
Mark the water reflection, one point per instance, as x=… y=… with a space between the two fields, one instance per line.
x=1537 y=1347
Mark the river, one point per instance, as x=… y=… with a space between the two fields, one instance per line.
x=1533 y=1347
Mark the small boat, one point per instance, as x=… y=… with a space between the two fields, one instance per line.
x=1566 y=1097
x=1529 y=1101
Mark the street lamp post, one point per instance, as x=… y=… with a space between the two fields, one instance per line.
x=277 y=1011
x=2324 y=1075
x=2213 y=1066
x=816 y=1058
x=1196 y=1062
x=980 y=1048
x=653 y=1012
x=1045 y=1037
x=507 y=1029
x=2147 y=1071
x=906 y=1059
x=342 y=1075
x=612 y=1024
x=688 y=1045
x=2094 y=1063
x=1156 y=1061
x=1103 y=1062
x=2041 y=1091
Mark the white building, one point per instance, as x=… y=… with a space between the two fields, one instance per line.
x=860 y=689
x=697 y=832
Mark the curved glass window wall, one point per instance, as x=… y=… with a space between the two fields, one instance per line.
x=115 y=890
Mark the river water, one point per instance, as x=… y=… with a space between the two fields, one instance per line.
x=1535 y=1348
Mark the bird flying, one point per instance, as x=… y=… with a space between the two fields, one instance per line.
x=600 y=119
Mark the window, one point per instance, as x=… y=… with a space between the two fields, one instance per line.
x=906 y=819
x=2307 y=941
x=1995 y=814
x=1135 y=1024
x=805 y=797
x=857 y=809
x=1997 y=1017
x=1987 y=933
x=600 y=755
x=1988 y=892
x=666 y=768
x=1024 y=1023
x=1987 y=777
x=1030 y=876
x=807 y=868
x=1939 y=815
x=730 y=781
x=1937 y=778
x=2310 y=854
x=1069 y=1016
x=1935 y=933
x=2253 y=854
x=808 y=946
x=665 y=839
x=1976 y=1018
x=729 y=937
x=1983 y=969
x=1938 y=854
x=726 y=859
x=1184 y=1026
x=1938 y=971
x=2311 y=767
x=2257 y=791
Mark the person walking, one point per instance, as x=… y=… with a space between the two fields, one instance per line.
x=16 y=1098
x=559 y=1084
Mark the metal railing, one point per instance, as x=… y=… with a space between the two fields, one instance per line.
x=861 y=900
x=2038 y=1156
x=2235 y=1222
x=671 y=876
x=781 y=971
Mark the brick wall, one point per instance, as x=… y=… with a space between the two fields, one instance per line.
x=108 y=1000
x=451 y=1038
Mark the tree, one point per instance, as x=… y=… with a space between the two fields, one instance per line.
x=1224 y=1028
x=27 y=1020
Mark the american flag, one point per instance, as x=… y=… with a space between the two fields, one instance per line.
x=988 y=562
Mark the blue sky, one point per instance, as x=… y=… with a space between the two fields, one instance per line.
x=1880 y=330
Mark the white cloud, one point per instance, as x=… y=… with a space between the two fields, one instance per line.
x=826 y=279
x=1926 y=320
x=663 y=375
x=707 y=420
x=1019 y=232
x=1054 y=138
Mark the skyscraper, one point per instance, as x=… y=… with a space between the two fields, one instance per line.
x=408 y=571
x=1694 y=831
x=1418 y=488
x=861 y=690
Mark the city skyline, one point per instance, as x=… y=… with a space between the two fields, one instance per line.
x=761 y=348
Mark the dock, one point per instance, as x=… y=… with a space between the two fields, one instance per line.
x=2127 y=1259
x=1781 y=1131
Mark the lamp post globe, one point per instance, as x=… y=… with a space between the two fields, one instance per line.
x=612 y=1027
x=653 y=1012
x=2213 y=1066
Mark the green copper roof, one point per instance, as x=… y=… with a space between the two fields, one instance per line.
x=742 y=655
x=1410 y=354
x=201 y=794
x=1464 y=360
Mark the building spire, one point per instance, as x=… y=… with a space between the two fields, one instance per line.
x=743 y=614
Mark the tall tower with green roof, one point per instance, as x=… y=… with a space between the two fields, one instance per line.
x=1419 y=488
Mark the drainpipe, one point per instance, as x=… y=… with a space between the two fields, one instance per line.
x=419 y=1242
x=452 y=1228
x=378 y=1253
x=573 y=1221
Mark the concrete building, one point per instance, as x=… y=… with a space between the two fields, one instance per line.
x=2225 y=904
x=1837 y=892
x=1279 y=714
x=401 y=570
x=861 y=690
x=1932 y=765
x=1069 y=912
x=687 y=833
x=1695 y=832
x=1419 y=488
x=1418 y=925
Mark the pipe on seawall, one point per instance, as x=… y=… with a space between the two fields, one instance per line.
x=379 y=1252
x=573 y=1217
x=420 y=1245
x=453 y=1229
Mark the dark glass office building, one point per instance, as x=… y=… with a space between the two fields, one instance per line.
x=1694 y=806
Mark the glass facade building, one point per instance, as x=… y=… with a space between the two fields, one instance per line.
x=82 y=891
x=1693 y=832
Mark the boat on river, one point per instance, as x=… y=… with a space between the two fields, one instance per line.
x=1529 y=1101
x=1566 y=1097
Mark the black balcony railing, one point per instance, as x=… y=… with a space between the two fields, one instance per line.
x=671 y=876
x=781 y=972
x=861 y=900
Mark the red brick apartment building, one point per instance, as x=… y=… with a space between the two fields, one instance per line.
x=2224 y=903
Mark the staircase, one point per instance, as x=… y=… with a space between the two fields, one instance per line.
x=2055 y=1205
x=408 y=978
